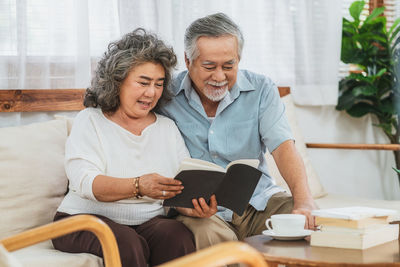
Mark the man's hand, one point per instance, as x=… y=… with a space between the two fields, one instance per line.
x=291 y=166
x=305 y=207
x=201 y=209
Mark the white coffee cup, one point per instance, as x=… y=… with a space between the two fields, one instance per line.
x=286 y=224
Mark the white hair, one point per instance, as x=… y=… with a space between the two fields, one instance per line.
x=214 y=25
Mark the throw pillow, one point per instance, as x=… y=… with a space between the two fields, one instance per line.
x=32 y=177
x=316 y=188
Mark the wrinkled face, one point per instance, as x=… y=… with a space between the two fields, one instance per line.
x=141 y=90
x=214 y=71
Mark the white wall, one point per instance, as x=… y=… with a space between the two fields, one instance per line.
x=362 y=173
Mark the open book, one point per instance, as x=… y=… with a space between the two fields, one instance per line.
x=232 y=186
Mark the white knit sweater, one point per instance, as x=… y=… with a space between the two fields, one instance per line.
x=97 y=146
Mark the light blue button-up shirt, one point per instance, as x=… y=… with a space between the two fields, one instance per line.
x=250 y=119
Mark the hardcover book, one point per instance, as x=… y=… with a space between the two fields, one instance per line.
x=232 y=186
x=356 y=239
x=357 y=224
x=363 y=230
x=352 y=217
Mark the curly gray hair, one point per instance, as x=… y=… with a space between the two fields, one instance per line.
x=214 y=25
x=122 y=56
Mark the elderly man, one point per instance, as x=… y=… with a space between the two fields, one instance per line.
x=226 y=114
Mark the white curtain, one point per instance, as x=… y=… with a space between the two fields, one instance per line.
x=52 y=44
x=295 y=42
x=317 y=30
x=55 y=44
x=49 y=44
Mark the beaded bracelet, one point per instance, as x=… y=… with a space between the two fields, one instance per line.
x=136 y=193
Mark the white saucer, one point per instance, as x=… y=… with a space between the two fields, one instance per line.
x=297 y=236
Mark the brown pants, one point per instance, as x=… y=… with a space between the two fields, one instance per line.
x=214 y=230
x=156 y=241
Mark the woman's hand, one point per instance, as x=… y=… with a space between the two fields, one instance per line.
x=201 y=209
x=159 y=187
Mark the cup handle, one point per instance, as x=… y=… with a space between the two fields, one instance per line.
x=267 y=223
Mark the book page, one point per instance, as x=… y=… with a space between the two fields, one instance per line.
x=251 y=162
x=198 y=164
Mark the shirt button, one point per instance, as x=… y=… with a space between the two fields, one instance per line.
x=215 y=156
x=211 y=132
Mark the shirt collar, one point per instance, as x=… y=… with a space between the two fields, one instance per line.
x=184 y=84
x=242 y=84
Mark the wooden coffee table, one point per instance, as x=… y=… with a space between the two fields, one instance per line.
x=300 y=253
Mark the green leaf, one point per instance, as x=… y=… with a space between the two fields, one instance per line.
x=367 y=90
x=394 y=33
x=395 y=23
x=350 y=53
x=368 y=37
x=386 y=127
x=349 y=29
x=379 y=20
x=395 y=44
x=387 y=106
x=376 y=12
x=355 y=9
x=381 y=72
x=377 y=26
x=360 y=109
x=346 y=100
x=360 y=77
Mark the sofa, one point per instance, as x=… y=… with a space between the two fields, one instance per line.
x=33 y=183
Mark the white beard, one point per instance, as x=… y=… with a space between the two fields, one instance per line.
x=216 y=95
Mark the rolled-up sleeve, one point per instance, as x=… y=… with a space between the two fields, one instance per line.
x=274 y=126
x=84 y=158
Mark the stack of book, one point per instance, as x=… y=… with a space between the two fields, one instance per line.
x=354 y=227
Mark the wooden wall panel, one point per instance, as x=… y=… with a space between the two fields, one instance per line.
x=41 y=100
x=28 y=100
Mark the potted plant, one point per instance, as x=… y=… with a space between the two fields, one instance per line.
x=375 y=87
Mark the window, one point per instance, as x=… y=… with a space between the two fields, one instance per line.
x=42 y=41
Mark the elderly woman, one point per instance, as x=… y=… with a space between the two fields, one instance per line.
x=120 y=156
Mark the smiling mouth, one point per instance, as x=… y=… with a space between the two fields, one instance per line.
x=217 y=85
x=145 y=104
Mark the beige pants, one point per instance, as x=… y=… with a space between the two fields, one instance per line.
x=214 y=230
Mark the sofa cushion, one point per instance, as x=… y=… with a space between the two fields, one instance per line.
x=7 y=259
x=339 y=201
x=32 y=176
x=313 y=180
x=42 y=256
